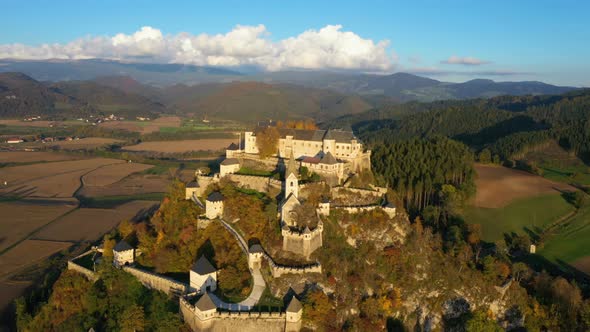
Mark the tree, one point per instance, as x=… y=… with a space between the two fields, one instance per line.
x=126 y=228
x=267 y=140
x=485 y=156
x=108 y=246
x=479 y=321
x=132 y=319
x=520 y=271
x=316 y=306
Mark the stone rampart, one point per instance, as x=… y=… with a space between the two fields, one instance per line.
x=259 y=183
x=155 y=281
x=243 y=321
x=279 y=270
x=89 y=274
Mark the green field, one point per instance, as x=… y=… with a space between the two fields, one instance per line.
x=559 y=165
x=534 y=213
x=572 y=241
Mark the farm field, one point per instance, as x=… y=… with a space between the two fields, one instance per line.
x=109 y=174
x=144 y=127
x=213 y=144
x=498 y=186
x=56 y=179
x=86 y=224
x=559 y=165
x=33 y=156
x=133 y=184
x=570 y=244
x=533 y=213
x=20 y=218
x=83 y=143
x=28 y=252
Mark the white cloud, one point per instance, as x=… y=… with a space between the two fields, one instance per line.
x=326 y=48
x=469 y=61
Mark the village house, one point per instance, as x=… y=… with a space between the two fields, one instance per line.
x=14 y=140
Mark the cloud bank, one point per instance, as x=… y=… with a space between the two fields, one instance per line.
x=467 y=61
x=327 y=48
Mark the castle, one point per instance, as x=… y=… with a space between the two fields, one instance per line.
x=331 y=153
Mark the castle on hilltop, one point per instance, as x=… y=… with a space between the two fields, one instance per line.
x=331 y=153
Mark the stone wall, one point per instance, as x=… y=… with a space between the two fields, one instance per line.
x=155 y=281
x=279 y=270
x=238 y=321
x=89 y=274
x=337 y=192
x=259 y=183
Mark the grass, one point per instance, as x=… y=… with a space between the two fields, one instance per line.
x=268 y=302
x=254 y=172
x=534 y=213
x=571 y=242
x=109 y=202
x=559 y=165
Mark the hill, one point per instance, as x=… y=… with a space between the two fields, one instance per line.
x=251 y=101
x=398 y=86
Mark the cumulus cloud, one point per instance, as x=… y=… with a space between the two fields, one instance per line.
x=468 y=61
x=327 y=48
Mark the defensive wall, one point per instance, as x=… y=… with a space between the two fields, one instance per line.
x=243 y=321
x=89 y=274
x=279 y=270
x=155 y=281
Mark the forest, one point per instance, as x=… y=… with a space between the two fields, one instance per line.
x=506 y=125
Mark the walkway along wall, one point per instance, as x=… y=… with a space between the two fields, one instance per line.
x=155 y=281
x=245 y=321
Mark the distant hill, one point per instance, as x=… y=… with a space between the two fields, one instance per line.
x=250 y=101
x=399 y=87
x=21 y=96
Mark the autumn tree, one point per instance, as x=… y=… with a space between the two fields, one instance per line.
x=267 y=141
x=480 y=321
x=132 y=319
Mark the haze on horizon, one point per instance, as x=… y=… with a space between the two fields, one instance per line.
x=451 y=41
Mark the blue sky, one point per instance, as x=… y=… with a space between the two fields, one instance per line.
x=502 y=40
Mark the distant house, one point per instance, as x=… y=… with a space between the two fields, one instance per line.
x=203 y=276
x=14 y=140
x=123 y=254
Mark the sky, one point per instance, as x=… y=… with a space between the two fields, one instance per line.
x=447 y=40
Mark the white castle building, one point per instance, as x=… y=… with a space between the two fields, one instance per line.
x=203 y=276
x=326 y=152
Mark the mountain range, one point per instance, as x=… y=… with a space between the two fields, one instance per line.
x=398 y=87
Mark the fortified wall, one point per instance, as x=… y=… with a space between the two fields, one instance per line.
x=155 y=281
x=279 y=270
x=89 y=274
x=302 y=243
x=237 y=321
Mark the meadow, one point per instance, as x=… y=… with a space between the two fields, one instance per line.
x=532 y=213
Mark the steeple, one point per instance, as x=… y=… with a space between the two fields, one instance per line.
x=291 y=166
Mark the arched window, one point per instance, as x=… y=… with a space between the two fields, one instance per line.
x=291 y=183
